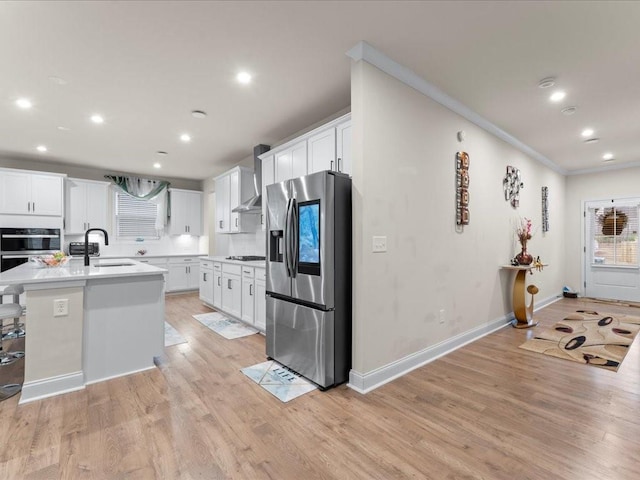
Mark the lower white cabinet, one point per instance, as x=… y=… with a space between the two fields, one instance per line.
x=260 y=312
x=217 y=285
x=183 y=274
x=248 y=295
x=231 y=290
x=206 y=281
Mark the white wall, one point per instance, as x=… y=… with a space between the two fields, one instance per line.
x=612 y=184
x=404 y=187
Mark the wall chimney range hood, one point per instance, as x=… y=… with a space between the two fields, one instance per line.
x=254 y=204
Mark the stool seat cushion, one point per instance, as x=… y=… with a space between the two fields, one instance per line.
x=10 y=310
x=11 y=290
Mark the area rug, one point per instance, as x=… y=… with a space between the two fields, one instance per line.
x=225 y=326
x=172 y=336
x=279 y=381
x=599 y=339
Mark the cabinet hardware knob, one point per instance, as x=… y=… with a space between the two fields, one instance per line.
x=236 y=222
x=339 y=164
x=251 y=289
x=331 y=165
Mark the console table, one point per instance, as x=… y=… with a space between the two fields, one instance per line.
x=522 y=312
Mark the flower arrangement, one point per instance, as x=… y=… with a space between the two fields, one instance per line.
x=523 y=232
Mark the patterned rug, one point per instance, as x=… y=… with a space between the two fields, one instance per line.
x=599 y=339
x=279 y=381
x=172 y=336
x=225 y=326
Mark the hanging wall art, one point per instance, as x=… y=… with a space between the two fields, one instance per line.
x=512 y=184
x=545 y=209
x=462 y=188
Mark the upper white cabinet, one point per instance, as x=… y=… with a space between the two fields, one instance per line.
x=186 y=212
x=322 y=151
x=268 y=177
x=232 y=189
x=86 y=205
x=24 y=193
x=344 y=162
x=291 y=162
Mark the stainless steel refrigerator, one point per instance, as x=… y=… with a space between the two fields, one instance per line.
x=309 y=276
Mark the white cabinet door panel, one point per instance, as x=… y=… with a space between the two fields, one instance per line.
x=322 y=151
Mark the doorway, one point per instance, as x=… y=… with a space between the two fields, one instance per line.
x=611 y=263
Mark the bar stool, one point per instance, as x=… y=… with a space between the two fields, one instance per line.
x=10 y=310
x=18 y=328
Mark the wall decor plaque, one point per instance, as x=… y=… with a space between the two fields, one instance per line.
x=512 y=184
x=462 y=188
x=545 y=209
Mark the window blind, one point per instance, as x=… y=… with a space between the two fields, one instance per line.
x=135 y=217
x=614 y=234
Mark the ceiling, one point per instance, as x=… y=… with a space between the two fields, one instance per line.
x=146 y=65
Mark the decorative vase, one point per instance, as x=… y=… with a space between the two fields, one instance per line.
x=524 y=258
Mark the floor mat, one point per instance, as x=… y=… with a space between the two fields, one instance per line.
x=225 y=326
x=586 y=336
x=172 y=336
x=279 y=381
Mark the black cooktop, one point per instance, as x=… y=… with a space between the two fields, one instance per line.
x=246 y=258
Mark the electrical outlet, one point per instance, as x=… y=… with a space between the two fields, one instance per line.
x=442 y=317
x=61 y=307
x=379 y=244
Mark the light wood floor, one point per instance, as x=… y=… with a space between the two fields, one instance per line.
x=489 y=410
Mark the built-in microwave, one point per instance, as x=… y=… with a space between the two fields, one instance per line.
x=18 y=245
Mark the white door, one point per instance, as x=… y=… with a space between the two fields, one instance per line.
x=247 y=299
x=15 y=193
x=76 y=213
x=97 y=196
x=217 y=288
x=322 y=151
x=222 y=204
x=611 y=250
x=234 y=201
x=46 y=195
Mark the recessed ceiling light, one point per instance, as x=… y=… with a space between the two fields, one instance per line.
x=24 y=103
x=198 y=114
x=547 y=82
x=607 y=156
x=592 y=140
x=557 y=96
x=569 y=110
x=156 y=165
x=58 y=80
x=185 y=137
x=587 y=132
x=63 y=129
x=162 y=152
x=243 y=77
x=41 y=148
x=95 y=118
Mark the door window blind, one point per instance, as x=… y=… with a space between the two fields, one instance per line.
x=135 y=217
x=614 y=234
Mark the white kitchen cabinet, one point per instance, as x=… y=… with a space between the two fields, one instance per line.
x=206 y=281
x=217 y=285
x=291 y=162
x=260 y=299
x=268 y=177
x=23 y=193
x=344 y=162
x=248 y=295
x=231 y=290
x=321 y=149
x=86 y=205
x=183 y=274
x=232 y=189
x=186 y=212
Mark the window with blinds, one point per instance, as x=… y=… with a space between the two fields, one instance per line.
x=135 y=217
x=614 y=235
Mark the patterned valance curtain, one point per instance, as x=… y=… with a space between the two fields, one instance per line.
x=154 y=191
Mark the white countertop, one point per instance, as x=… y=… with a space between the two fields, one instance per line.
x=253 y=264
x=30 y=273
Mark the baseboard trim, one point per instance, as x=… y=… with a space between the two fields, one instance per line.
x=39 y=389
x=104 y=379
x=365 y=383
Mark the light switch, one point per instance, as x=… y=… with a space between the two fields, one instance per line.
x=379 y=244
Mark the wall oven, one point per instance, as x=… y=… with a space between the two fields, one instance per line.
x=18 y=245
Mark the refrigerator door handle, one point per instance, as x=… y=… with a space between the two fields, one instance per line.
x=294 y=238
x=287 y=239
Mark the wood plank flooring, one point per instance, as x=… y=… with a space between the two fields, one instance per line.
x=486 y=411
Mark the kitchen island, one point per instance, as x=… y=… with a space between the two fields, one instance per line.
x=88 y=324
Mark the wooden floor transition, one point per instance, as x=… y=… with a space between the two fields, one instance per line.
x=486 y=411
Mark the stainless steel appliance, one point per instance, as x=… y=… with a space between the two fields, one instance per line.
x=18 y=245
x=76 y=249
x=309 y=276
